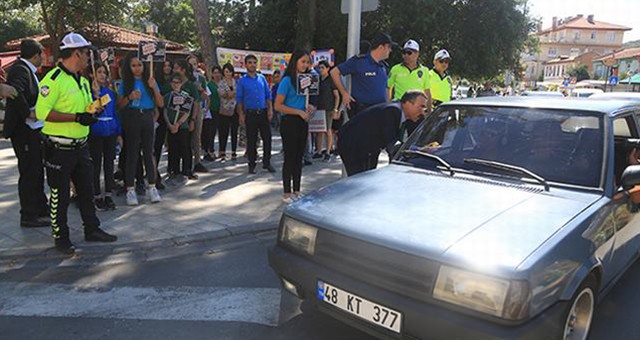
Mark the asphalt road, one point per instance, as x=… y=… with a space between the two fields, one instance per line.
x=221 y=291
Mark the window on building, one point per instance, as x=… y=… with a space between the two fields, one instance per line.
x=576 y=35
x=611 y=36
x=593 y=35
x=575 y=51
x=552 y=51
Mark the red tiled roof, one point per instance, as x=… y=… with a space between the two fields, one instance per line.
x=120 y=37
x=7 y=58
x=623 y=54
x=583 y=23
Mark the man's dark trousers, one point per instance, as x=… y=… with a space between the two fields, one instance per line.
x=28 y=149
x=257 y=121
x=355 y=165
x=63 y=166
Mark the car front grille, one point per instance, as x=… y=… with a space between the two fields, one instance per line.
x=396 y=271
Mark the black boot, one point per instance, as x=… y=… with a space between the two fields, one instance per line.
x=65 y=246
x=98 y=235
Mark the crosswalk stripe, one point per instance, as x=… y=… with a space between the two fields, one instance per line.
x=254 y=305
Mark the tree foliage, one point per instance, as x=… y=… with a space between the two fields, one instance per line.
x=580 y=71
x=16 y=23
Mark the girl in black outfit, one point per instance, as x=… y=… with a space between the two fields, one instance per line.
x=228 y=115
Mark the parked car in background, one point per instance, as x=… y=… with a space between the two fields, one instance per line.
x=541 y=94
x=584 y=93
x=500 y=217
x=616 y=95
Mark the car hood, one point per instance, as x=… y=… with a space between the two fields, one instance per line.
x=457 y=218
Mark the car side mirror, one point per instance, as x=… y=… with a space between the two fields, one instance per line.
x=631 y=177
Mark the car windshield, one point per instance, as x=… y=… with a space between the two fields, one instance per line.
x=558 y=146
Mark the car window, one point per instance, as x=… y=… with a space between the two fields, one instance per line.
x=562 y=146
x=623 y=128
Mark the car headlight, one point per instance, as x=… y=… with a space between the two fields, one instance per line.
x=498 y=297
x=299 y=235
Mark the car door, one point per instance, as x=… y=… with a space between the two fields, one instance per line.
x=627 y=220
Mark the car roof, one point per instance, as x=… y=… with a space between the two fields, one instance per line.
x=617 y=95
x=607 y=106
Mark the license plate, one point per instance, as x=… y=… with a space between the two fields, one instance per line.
x=360 y=307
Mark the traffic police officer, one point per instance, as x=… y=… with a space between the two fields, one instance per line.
x=410 y=75
x=368 y=76
x=441 y=82
x=62 y=104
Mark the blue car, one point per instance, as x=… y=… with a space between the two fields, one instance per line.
x=498 y=218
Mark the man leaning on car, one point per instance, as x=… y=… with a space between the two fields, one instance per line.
x=380 y=126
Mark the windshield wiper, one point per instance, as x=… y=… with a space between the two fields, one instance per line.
x=510 y=168
x=430 y=156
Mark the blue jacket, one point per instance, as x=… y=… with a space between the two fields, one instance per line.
x=108 y=124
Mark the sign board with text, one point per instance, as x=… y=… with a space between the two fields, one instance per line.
x=181 y=103
x=152 y=51
x=318 y=122
x=267 y=61
x=107 y=55
x=308 y=83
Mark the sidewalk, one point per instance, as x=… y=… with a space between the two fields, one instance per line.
x=224 y=202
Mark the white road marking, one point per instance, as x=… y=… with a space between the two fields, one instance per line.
x=254 y=305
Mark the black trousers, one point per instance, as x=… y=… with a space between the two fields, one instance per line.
x=355 y=164
x=158 y=142
x=227 y=124
x=257 y=121
x=139 y=133
x=103 y=152
x=356 y=107
x=62 y=167
x=209 y=131
x=294 y=141
x=122 y=161
x=27 y=145
x=179 y=150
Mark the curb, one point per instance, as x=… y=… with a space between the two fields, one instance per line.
x=129 y=252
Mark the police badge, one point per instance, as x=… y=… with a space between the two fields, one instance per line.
x=420 y=74
x=44 y=91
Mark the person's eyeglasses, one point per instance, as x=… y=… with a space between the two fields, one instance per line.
x=444 y=61
x=407 y=52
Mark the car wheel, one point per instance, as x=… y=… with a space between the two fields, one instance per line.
x=577 y=321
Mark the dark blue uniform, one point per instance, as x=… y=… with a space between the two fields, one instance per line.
x=363 y=137
x=368 y=81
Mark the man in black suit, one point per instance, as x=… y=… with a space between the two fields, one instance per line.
x=377 y=127
x=23 y=129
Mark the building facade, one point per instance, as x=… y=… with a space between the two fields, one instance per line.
x=627 y=60
x=556 y=70
x=572 y=37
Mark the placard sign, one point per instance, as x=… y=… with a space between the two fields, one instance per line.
x=152 y=50
x=181 y=103
x=308 y=84
x=107 y=55
x=318 y=122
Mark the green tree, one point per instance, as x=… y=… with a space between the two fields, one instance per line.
x=580 y=71
x=175 y=19
x=17 y=23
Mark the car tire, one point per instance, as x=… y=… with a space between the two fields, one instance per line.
x=578 y=317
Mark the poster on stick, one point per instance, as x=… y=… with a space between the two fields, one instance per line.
x=308 y=84
x=318 y=122
x=268 y=62
x=152 y=51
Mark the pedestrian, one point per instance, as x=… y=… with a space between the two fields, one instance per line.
x=22 y=127
x=162 y=77
x=180 y=158
x=185 y=70
x=409 y=75
x=295 y=113
x=329 y=101
x=62 y=103
x=487 y=90
x=212 y=117
x=378 y=127
x=275 y=81
x=201 y=102
x=368 y=76
x=103 y=139
x=138 y=98
x=228 y=125
x=441 y=83
x=255 y=112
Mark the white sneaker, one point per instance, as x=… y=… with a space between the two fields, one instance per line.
x=287 y=199
x=132 y=198
x=153 y=195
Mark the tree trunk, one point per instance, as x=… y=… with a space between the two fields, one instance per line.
x=306 y=24
x=201 y=13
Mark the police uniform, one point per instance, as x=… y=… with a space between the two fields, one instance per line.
x=440 y=87
x=66 y=154
x=403 y=79
x=368 y=81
